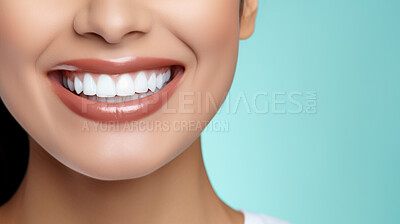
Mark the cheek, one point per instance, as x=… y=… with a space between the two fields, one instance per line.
x=215 y=39
x=26 y=28
x=211 y=30
x=206 y=25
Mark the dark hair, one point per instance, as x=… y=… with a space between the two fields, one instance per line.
x=13 y=155
x=14 y=151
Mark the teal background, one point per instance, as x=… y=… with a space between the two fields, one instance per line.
x=340 y=164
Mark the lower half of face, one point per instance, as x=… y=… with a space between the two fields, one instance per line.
x=116 y=90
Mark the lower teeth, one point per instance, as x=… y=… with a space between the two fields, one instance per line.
x=118 y=99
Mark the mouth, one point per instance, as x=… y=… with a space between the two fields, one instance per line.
x=121 y=90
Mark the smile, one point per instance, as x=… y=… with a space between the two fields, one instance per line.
x=121 y=90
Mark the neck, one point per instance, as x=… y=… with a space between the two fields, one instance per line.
x=179 y=192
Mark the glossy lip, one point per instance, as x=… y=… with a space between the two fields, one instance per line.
x=115 y=66
x=115 y=112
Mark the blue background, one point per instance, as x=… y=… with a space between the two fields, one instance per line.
x=337 y=164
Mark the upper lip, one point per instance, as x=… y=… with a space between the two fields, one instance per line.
x=115 y=66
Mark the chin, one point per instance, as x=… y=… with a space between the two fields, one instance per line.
x=118 y=156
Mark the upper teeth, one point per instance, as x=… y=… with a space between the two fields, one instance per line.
x=122 y=86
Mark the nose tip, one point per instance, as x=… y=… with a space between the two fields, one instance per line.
x=112 y=20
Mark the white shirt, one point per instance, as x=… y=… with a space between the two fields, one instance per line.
x=254 y=218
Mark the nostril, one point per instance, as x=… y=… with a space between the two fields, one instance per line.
x=112 y=21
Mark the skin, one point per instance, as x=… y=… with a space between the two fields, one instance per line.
x=78 y=175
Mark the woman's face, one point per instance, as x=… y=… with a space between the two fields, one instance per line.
x=117 y=49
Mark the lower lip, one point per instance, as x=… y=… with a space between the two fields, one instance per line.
x=115 y=112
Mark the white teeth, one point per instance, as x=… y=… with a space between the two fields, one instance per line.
x=159 y=81
x=141 y=83
x=125 y=89
x=152 y=82
x=167 y=75
x=129 y=98
x=111 y=100
x=102 y=99
x=105 y=87
x=89 y=86
x=118 y=99
x=126 y=98
x=78 y=85
x=64 y=82
x=70 y=85
x=125 y=86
